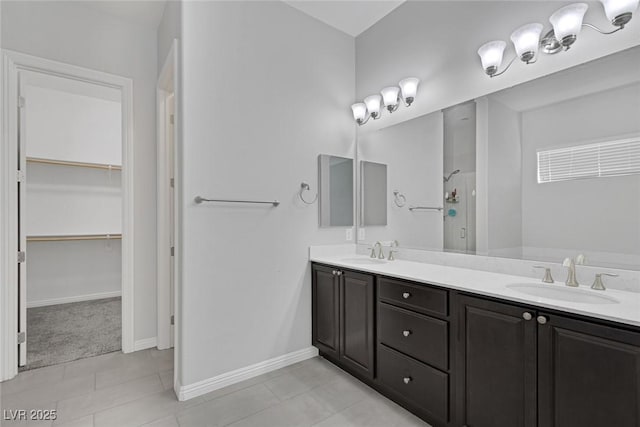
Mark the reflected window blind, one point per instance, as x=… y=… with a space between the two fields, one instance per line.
x=602 y=159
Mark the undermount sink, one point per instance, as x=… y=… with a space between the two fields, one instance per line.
x=563 y=293
x=363 y=260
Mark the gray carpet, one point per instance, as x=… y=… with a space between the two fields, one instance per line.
x=65 y=332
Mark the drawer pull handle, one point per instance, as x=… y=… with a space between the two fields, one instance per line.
x=406 y=380
x=406 y=333
x=406 y=295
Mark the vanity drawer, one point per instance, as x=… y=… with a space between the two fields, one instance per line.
x=414 y=297
x=422 y=337
x=419 y=384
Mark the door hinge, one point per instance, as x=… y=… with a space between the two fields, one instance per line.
x=22 y=337
x=173 y=320
x=171 y=119
x=21 y=102
x=172 y=182
x=22 y=256
x=20 y=176
x=173 y=250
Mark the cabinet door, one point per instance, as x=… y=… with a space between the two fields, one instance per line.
x=589 y=374
x=496 y=361
x=325 y=310
x=357 y=322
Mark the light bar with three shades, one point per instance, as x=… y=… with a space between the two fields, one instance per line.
x=566 y=22
x=389 y=98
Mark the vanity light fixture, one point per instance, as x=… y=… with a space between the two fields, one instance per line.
x=566 y=23
x=389 y=98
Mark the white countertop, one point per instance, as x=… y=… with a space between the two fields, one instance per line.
x=490 y=284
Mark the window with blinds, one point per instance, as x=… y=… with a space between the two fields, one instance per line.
x=602 y=159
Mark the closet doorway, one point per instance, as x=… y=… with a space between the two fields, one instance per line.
x=72 y=211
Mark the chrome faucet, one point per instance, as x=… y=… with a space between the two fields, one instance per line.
x=394 y=244
x=380 y=253
x=547 y=274
x=597 y=283
x=571 y=265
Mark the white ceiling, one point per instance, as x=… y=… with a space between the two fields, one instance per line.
x=349 y=16
x=141 y=12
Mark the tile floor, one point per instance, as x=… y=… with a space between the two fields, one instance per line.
x=118 y=390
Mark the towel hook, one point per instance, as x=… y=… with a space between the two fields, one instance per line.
x=399 y=198
x=305 y=187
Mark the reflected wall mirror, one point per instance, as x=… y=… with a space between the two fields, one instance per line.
x=373 y=194
x=336 y=201
x=543 y=170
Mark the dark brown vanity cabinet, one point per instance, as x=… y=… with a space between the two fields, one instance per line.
x=343 y=318
x=527 y=367
x=588 y=374
x=413 y=347
x=496 y=358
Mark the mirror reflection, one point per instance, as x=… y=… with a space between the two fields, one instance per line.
x=543 y=170
x=336 y=191
x=373 y=193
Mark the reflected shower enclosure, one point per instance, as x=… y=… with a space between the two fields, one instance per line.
x=459 y=178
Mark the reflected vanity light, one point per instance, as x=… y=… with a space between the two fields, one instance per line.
x=566 y=22
x=389 y=98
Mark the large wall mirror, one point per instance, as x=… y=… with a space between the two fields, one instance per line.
x=541 y=171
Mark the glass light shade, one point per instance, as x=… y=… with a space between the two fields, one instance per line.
x=567 y=21
x=491 y=54
x=373 y=104
x=526 y=40
x=390 y=95
x=615 y=8
x=359 y=111
x=409 y=87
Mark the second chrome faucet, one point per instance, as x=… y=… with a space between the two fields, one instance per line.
x=392 y=249
x=571 y=273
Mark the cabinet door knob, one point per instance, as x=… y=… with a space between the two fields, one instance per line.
x=339 y=273
x=527 y=316
x=406 y=295
x=334 y=272
x=406 y=380
x=406 y=333
x=542 y=320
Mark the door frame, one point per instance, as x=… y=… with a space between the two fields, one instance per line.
x=12 y=63
x=167 y=86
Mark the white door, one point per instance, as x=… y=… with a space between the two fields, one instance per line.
x=171 y=155
x=22 y=219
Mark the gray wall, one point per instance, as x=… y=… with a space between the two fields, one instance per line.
x=77 y=34
x=170 y=28
x=413 y=153
x=266 y=89
x=599 y=216
x=504 y=170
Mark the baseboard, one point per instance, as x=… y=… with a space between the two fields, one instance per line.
x=145 y=343
x=206 y=386
x=75 y=298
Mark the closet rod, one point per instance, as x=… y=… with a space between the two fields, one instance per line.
x=76 y=164
x=74 y=237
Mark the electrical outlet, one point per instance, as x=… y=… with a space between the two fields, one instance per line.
x=349 y=234
x=361 y=234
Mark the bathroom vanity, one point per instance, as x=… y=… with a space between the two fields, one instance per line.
x=461 y=347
